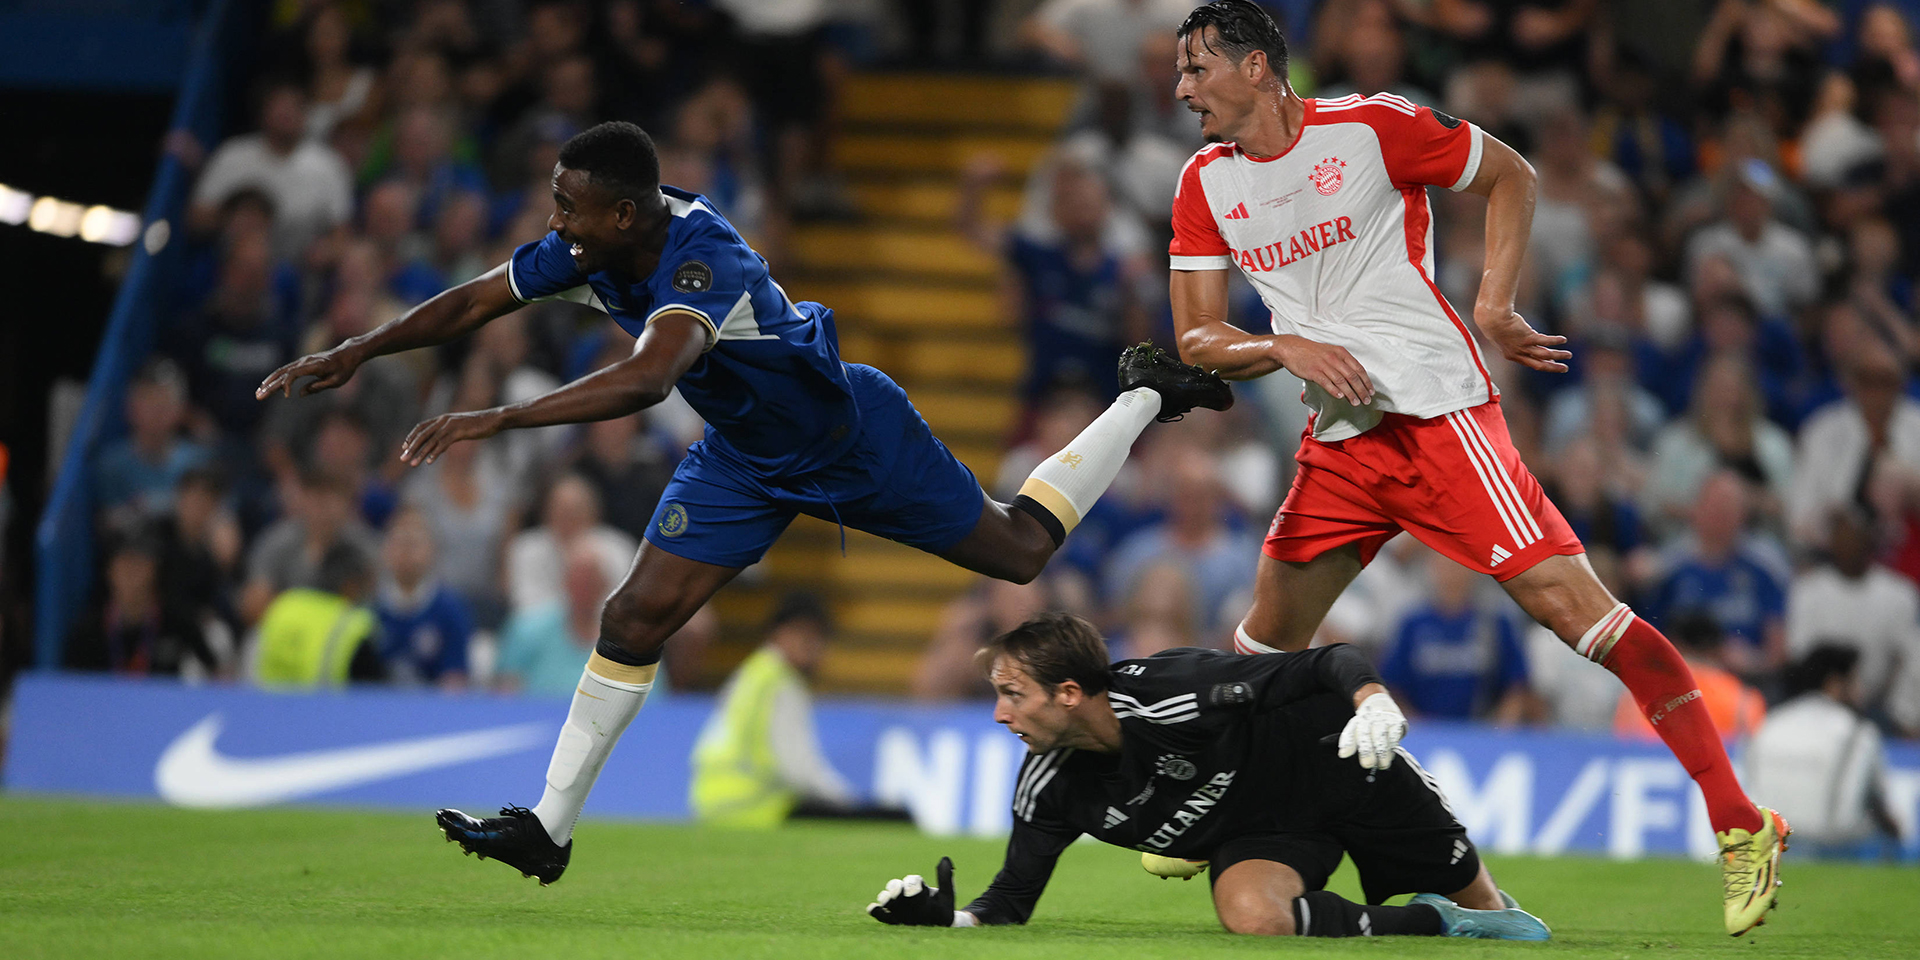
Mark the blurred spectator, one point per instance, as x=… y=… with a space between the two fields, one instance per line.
x=1818 y=761
x=1763 y=57
x=1077 y=290
x=569 y=518
x=1853 y=602
x=1724 y=429
x=1099 y=38
x=1606 y=376
x=1194 y=545
x=1638 y=132
x=1457 y=656
x=241 y=333
x=339 y=90
x=1574 y=692
x=758 y=759
x=544 y=647
x=1602 y=515
x=993 y=607
x=1653 y=313
x=137 y=630
x=424 y=158
x=200 y=555
x=134 y=477
x=1724 y=573
x=1837 y=141
x=424 y=625
x=317 y=636
x=1841 y=445
x=565 y=108
x=321 y=516
x=312 y=191
x=628 y=466
x=1737 y=709
x=1775 y=261
x=1578 y=192
x=792 y=74
x=467 y=497
x=1359 y=48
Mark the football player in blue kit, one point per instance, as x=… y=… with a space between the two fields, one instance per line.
x=791 y=428
x=1232 y=763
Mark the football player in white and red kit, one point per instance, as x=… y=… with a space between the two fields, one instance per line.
x=1322 y=204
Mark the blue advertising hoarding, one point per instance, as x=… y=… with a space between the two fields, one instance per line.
x=1543 y=792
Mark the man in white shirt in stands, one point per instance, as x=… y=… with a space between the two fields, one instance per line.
x=1852 y=601
x=310 y=186
x=1821 y=761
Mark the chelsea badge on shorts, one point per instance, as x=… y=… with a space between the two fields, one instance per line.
x=673 y=520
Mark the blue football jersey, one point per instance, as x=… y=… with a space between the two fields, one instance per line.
x=771 y=385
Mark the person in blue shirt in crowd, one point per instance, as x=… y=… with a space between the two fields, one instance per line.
x=424 y=626
x=1727 y=574
x=1457 y=658
x=791 y=428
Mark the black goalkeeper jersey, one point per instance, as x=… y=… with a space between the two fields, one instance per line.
x=1213 y=746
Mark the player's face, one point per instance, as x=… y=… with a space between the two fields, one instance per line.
x=1213 y=86
x=1034 y=714
x=588 y=218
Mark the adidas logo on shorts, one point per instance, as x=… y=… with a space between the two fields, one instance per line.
x=1499 y=555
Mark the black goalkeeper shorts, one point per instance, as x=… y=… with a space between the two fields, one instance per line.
x=1403 y=839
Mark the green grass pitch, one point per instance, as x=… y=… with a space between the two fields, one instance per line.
x=87 y=879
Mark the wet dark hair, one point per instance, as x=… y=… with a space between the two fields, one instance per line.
x=1240 y=27
x=1054 y=648
x=618 y=156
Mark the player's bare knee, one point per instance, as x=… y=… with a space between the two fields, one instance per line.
x=1256 y=916
x=637 y=623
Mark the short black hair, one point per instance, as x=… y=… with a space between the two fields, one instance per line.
x=618 y=156
x=1054 y=648
x=1240 y=27
x=1825 y=661
x=801 y=606
x=343 y=567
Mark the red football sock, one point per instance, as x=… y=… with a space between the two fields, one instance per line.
x=1663 y=686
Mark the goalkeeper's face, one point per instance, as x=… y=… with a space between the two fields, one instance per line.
x=1043 y=719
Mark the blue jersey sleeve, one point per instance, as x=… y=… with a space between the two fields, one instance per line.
x=542 y=269
x=710 y=278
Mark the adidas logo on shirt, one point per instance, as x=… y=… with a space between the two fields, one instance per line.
x=1115 y=817
x=1239 y=212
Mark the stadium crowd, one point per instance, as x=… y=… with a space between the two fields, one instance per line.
x=1727 y=228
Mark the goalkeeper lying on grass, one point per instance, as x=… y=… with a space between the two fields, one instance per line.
x=1214 y=760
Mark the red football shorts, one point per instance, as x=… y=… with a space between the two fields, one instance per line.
x=1454 y=482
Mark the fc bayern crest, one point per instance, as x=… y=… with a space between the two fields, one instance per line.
x=1326 y=176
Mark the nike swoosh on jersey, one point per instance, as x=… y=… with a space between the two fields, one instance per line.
x=192 y=771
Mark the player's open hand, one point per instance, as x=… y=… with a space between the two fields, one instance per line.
x=1520 y=342
x=432 y=438
x=1374 y=732
x=328 y=370
x=910 y=901
x=1327 y=364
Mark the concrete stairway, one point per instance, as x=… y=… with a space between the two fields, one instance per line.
x=916 y=299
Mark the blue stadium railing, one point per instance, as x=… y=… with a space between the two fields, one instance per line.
x=63 y=543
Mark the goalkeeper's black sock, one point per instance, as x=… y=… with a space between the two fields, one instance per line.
x=1324 y=914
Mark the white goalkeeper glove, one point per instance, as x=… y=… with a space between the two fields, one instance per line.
x=911 y=901
x=1374 y=732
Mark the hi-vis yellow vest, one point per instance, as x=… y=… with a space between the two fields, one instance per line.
x=736 y=777
x=308 y=637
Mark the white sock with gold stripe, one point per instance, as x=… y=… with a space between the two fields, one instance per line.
x=1068 y=483
x=608 y=698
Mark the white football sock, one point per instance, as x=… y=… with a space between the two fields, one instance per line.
x=602 y=708
x=1068 y=483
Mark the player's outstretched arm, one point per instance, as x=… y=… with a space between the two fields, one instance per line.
x=913 y=902
x=448 y=316
x=1206 y=338
x=1508 y=182
x=671 y=345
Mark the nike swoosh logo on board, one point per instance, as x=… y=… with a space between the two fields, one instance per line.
x=192 y=771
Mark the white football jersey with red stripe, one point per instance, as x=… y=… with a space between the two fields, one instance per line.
x=1337 y=236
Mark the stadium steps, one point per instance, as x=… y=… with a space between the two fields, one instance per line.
x=915 y=298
